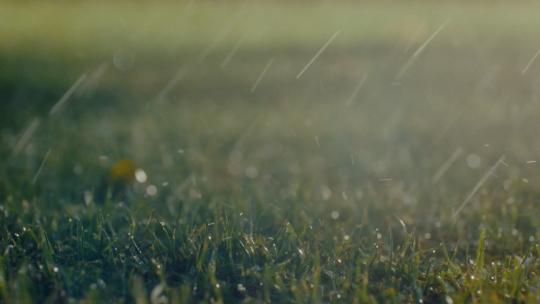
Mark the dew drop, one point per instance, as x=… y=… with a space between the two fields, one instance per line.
x=473 y=161
x=140 y=176
x=151 y=190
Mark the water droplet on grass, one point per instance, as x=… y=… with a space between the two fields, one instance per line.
x=240 y=288
x=326 y=193
x=473 y=161
x=151 y=190
x=140 y=176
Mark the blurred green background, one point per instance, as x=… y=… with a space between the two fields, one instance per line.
x=415 y=79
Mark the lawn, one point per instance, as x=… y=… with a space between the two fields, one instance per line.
x=281 y=152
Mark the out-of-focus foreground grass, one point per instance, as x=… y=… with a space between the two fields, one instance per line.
x=398 y=165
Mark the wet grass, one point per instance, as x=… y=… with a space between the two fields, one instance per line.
x=342 y=186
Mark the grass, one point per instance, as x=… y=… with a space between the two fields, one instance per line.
x=328 y=188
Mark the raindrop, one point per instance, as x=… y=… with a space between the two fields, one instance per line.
x=252 y=172
x=240 y=288
x=473 y=161
x=151 y=190
x=140 y=176
x=88 y=197
x=326 y=193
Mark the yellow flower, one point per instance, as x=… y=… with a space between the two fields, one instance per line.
x=123 y=171
x=116 y=183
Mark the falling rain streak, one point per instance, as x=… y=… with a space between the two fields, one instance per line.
x=45 y=158
x=67 y=95
x=447 y=164
x=478 y=185
x=180 y=74
x=420 y=49
x=93 y=79
x=26 y=136
x=261 y=76
x=214 y=43
x=530 y=63
x=233 y=51
x=321 y=50
x=359 y=86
